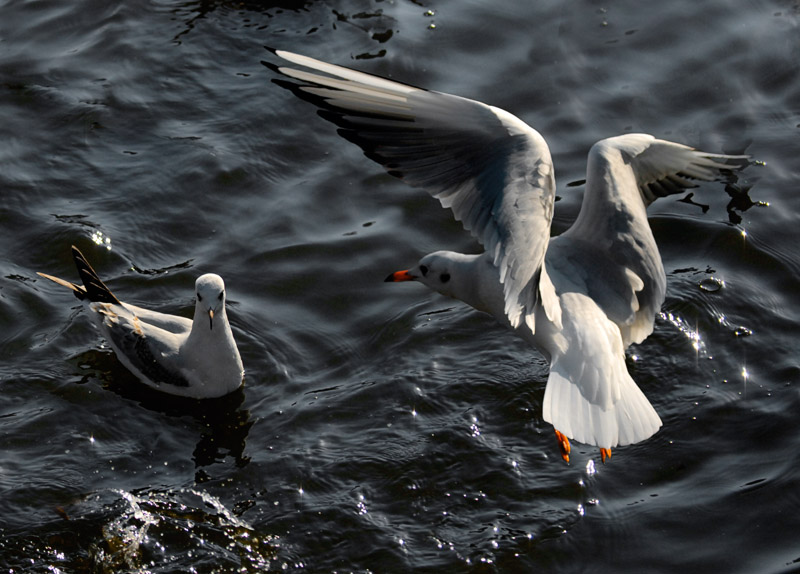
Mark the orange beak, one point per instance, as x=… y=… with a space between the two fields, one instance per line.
x=400 y=276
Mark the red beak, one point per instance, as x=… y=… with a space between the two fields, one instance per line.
x=400 y=276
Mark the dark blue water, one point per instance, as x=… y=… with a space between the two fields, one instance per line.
x=383 y=428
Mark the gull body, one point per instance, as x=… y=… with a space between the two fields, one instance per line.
x=580 y=298
x=195 y=358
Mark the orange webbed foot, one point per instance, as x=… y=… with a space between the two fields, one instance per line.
x=604 y=454
x=563 y=445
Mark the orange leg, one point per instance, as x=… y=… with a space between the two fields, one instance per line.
x=563 y=444
x=605 y=453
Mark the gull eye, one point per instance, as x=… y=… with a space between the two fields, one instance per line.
x=199 y=297
x=221 y=293
x=445 y=277
x=423 y=269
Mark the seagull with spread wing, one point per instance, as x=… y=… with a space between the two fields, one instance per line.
x=580 y=298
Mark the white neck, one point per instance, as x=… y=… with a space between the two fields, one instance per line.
x=476 y=281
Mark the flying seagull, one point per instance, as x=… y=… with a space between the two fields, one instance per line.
x=580 y=298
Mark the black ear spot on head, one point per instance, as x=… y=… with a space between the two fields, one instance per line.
x=445 y=277
x=424 y=270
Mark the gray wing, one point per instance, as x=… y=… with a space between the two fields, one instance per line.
x=142 y=348
x=172 y=323
x=490 y=168
x=624 y=175
x=665 y=168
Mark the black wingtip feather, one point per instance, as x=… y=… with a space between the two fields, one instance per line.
x=96 y=290
x=271 y=66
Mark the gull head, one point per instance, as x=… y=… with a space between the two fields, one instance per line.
x=435 y=270
x=210 y=293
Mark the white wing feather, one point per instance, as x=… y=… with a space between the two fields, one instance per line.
x=489 y=167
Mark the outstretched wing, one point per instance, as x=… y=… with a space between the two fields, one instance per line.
x=664 y=168
x=624 y=175
x=490 y=168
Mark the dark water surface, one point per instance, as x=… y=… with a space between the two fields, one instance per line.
x=383 y=428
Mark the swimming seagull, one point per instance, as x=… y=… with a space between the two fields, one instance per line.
x=580 y=298
x=191 y=358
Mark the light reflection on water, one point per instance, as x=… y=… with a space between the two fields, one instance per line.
x=690 y=332
x=156 y=531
